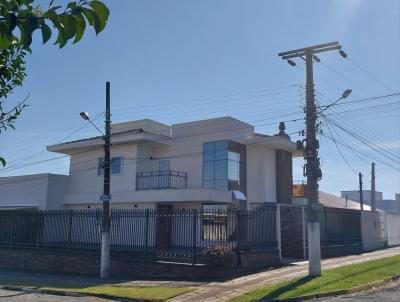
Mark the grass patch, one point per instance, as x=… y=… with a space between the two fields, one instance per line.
x=344 y=277
x=156 y=293
x=129 y=292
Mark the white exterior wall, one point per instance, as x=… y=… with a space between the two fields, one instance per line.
x=373 y=231
x=40 y=191
x=261 y=175
x=393 y=229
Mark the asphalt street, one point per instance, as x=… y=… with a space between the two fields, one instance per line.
x=386 y=293
x=16 y=296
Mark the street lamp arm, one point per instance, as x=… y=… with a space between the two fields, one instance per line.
x=345 y=94
x=98 y=129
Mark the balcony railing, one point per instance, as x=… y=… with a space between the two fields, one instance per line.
x=159 y=180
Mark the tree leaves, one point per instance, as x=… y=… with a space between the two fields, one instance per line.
x=46 y=32
x=3 y=161
x=20 y=19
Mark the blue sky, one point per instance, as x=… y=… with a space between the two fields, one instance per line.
x=176 y=61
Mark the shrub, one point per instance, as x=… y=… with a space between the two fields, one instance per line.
x=218 y=256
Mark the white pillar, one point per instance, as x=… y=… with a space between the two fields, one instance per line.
x=314 y=249
x=105 y=255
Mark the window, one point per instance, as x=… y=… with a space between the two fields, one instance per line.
x=224 y=165
x=116 y=166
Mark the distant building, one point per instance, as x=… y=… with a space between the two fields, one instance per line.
x=38 y=191
x=387 y=205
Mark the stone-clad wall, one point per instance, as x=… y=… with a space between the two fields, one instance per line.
x=39 y=260
x=292 y=231
x=284 y=177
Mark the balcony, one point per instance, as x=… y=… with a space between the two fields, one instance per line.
x=161 y=180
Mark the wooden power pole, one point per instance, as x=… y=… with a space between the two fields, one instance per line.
x=106 y=197
x=373 y=198
x=312 y=167
x=360 y=185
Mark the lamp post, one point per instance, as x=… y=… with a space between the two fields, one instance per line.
x=106 y=197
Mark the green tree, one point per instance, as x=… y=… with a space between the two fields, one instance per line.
x=19 y=19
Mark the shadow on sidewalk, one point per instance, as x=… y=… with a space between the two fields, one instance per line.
x=276 y=293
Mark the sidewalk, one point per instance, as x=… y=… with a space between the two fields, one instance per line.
x=223 y=291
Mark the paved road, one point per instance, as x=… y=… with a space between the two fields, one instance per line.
x=15 y=296
x=387 y=293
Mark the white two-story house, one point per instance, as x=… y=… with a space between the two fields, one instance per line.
x=215 y=163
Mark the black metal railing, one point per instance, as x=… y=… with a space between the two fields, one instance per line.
x=176 y=235
x=339 y=227
x=158 y=180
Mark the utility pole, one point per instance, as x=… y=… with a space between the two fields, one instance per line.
x=312 y=169
x=106 y=197
x=360 y=184
x=373 y=203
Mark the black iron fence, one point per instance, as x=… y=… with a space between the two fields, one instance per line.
x=161 y=180
x=150 y=235
x=340 y=227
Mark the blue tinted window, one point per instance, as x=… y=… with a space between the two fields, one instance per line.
x=224 y=165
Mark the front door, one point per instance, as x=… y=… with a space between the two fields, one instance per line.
x=164 y=225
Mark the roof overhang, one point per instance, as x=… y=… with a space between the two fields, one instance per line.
x=116 y=139
x=276 y=142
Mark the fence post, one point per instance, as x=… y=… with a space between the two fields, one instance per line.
x=238 y=226
x=146 y=236
x=12 y=229
x=194 y=237
x=278 y=230
x=70 y=230
x=38 y=230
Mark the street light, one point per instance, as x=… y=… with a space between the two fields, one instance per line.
x=86 y=117
x=345 y=94
x=106 y=197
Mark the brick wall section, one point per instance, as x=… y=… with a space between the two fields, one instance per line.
x=39 y=260
x=291 y=232
x=284 y=177
x=259 y=260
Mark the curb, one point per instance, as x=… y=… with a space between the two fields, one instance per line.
x=67 y=293
x=338 y=292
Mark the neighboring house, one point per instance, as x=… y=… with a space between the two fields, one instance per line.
x=325 y=199
x=37 y=191
x=387 y=205
x=210 y=163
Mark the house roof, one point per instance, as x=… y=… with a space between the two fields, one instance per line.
x=334 y=201
x=152 y=131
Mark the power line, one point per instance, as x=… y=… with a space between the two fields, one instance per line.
x=363 y=142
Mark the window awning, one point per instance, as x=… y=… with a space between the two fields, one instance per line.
x=238 y=196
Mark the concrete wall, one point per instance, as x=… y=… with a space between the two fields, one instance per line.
x=40 y=191
x=373 y=230
x=261 y=174
x=393 y=229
